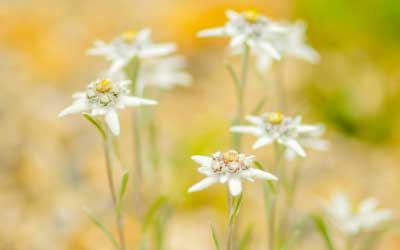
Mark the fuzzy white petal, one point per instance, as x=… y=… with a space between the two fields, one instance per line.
x=262 y=141
x=235 y=186
x=112 y=121
x=74 y=108
x=247 y=130
x=202 y=160
x=220 y=31
x=257 y=173
x=133 y=101
x=206 y=182
x=270 y=50
x=308 y=128
x=158 y=50
x=294 y=145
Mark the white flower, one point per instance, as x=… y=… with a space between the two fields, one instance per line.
x=366 y=217
x=310 y=139
x=291 y=43
x=164 y=73
x=104 y=97
x=122 y=49
x=229 y=167
x=275 y=127
x=251 y=29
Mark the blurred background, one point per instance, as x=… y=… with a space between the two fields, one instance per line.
x=51 y=167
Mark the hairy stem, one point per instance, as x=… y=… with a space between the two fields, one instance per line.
x=118 y=216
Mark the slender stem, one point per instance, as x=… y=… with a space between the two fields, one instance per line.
x=231 y=224
x=118 y=216
x=273 y=230
x=138 y=176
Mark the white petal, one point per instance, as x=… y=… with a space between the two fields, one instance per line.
x=294 y=145
x=237 y=40
x=143 y=35
x=112 y=121
x=368 y=205
x=220 y=31
x=270 y=50
x=133 y=101
x=255 y=119
x=206 y=182
x=232 y=15
x=74 y=108
x=308 y=128
x=158 y=50
x=263 y=62
x=202 y=160
x=260 y=174
x=116 y=66
x=235 y=186
x=247 y=130
x=223 y=179
x=262 y=141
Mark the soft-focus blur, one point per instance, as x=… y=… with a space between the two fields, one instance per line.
x=51 y=168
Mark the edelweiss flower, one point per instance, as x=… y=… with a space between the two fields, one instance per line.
x=164 y=73
x=228 y=167
x=353 y=221
x=252 y=29
x=291 y=43
x=310 y=139
x=129 y=44
x=275 y=127
x=104 y=97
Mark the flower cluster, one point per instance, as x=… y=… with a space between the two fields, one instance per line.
x=104 y=97
x=267 y=40
x=275 y=127
x=228 y=167
x=366 y=217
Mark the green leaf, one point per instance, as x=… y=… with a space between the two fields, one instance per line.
x=235 y=211
x=259 y=106
x=246 y=238
x=215 y=238
x=102 y=228
x=96 y=123
x=157 y=204
x=122 y=190
x=322 y=229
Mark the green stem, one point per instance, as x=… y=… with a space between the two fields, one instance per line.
x=272 y=227
x=108 y=153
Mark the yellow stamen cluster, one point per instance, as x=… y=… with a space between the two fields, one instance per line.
x=230 y=156
x=103 y=86
x=251 y=16
x=129 y=36
x=275 y=118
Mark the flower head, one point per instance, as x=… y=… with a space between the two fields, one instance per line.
x=228 y=167
x=129 y=44
x=365 y=217
x=164 y=73
x=276 y=127
x=104 y=97
x=252 y=29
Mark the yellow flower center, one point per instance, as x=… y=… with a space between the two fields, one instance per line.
x=103 y=86
x=129 y=36
x=275 y=118
x=251 y=16
x=230 y=156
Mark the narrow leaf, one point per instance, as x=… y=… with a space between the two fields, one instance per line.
x=259 y=106
x=102 y=228
x=122 y=191
x=236 y=209
x=215 y=238
x=157 y=204
x=233 y=75
x=96 y=123
x=322 y=229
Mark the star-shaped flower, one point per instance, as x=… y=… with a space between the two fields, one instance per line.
x=252 y=29
x=366 y=217
x=229 y=167
x=129 y=44
x=104 y=97
x=275 y=127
